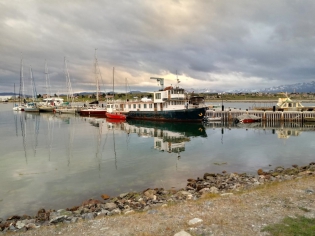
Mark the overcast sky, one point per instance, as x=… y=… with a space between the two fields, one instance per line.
x=214 y=44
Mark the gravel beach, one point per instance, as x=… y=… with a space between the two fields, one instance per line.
x=214 y=204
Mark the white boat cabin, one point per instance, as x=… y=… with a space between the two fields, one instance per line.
x=52 y=101
x=169 y=98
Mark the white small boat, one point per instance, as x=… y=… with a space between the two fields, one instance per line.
x=31 y=107
x=49 y=104
x=213 y=118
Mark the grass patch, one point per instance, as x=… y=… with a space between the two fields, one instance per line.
x=292 y=226
x=219 y=164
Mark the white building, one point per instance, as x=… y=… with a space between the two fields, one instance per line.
x=5 y=98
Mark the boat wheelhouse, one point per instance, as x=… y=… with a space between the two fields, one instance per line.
x=286 y=104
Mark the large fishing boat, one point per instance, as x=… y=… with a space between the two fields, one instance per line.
x=167 y=104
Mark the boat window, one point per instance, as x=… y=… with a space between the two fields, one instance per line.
x=158 y=96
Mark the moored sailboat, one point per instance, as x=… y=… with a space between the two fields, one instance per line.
x=95 y=110
x=49 y=103
x=21 y=105
x=31 y=106
x=112 y=111
x=68 y=106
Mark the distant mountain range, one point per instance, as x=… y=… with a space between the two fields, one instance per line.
x=291 y=88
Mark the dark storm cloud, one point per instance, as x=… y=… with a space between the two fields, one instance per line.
x=218 y=43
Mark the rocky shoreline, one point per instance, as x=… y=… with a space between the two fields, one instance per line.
x=149 y=199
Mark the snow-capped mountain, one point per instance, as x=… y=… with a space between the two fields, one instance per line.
x=291 y=88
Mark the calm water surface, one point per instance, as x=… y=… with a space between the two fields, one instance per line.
x=58 y=161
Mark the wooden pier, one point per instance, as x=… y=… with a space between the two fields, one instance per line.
x=266 y=116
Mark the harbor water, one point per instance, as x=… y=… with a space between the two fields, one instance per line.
x=56 y=161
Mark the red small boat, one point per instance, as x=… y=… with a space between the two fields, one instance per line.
x=247 y=118
x=116 y=115
x=93 y=111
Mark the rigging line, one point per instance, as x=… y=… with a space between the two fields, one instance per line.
x=98 y=72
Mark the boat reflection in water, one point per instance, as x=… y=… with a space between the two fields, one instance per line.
x=168 y=137
x=284 y=130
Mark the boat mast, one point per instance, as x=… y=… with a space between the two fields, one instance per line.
x=14 y=96
x=21 y=92
x=113 y=84
x=34 y=93
x=48 y=92
x=68 y=82
x=96 y=77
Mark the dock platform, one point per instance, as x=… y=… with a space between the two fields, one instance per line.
x=269 y=116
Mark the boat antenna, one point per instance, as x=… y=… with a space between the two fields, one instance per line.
x=161 y=80
x=178 y=81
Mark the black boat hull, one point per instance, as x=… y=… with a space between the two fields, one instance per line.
x=183 y=115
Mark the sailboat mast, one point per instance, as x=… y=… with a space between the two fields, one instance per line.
x=96 y=77
x=68 y=82
x=21 y=92
x=14 y=96
x=48 y=92
x=113 y=83
x=32 y=86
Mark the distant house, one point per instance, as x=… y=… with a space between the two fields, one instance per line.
x=5 y=98
x=108 y=96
